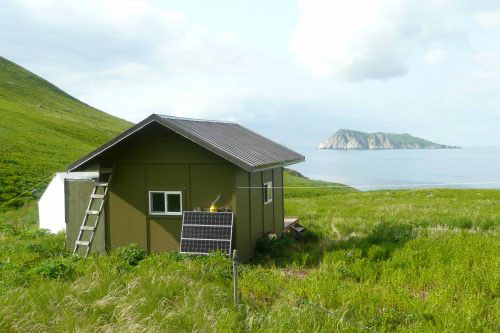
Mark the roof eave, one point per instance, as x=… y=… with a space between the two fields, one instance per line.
x=277 y=165
x=112 y=142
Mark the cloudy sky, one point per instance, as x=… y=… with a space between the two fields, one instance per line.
x=295 y=71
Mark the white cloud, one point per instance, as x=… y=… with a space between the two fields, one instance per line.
x=487 y=67
x=489 y=19
x=119 y=55
x=374 y=39
x=114 y=33
x=435 y=56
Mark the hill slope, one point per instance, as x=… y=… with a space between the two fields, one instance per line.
x=43 y=129
x=349 y=139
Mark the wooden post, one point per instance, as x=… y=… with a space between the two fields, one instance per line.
x=235 y=278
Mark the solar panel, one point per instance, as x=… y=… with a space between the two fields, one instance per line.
x=205 y=232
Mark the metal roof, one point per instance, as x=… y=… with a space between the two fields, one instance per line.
x=229 y=140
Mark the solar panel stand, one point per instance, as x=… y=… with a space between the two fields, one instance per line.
x=235 y=279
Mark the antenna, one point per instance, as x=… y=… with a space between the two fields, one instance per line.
x=216 y=199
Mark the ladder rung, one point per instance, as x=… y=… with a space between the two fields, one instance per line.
x=82 y=243
x=92 y=212
x=97 y=196
x=106 y=170
x=101 y=184
x=87 y=228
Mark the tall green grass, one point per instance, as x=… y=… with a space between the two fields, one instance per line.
x=419 y=261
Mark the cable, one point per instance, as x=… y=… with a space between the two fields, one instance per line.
x=381 y=185
x=17 y=196
x=300 y=187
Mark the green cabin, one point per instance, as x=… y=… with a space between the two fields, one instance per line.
x=165 y=165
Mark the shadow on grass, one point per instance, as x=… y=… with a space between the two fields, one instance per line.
x=308 y=250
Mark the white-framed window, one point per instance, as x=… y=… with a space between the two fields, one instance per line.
x=268 y=192
x=165 y=202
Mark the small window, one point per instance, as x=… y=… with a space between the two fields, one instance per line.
x=173 y=202
x=165 y=203
x=268 y=192
x=157 y=200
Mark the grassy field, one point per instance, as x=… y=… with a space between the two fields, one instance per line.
x=42 y=130
x=425 y=260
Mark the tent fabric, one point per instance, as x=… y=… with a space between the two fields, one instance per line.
x=51 y=206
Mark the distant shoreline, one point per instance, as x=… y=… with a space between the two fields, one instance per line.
x=426 y=148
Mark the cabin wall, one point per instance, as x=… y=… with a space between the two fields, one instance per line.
x=256 y=207
x=267 y=176
x=77 y=196
x=161 y=160
x=126 y=218
x=266 y=218
x=243 y=226
x=129 y=217
x=278 y=201
x=164 y=230
x=156 y=144
x=209 y=180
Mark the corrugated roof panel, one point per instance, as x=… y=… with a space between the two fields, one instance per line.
x=241 y=143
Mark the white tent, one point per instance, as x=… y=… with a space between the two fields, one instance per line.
x=51 y=206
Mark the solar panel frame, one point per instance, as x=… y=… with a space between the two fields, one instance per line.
x=200 y=222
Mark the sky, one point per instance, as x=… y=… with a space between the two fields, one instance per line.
x=295 y=71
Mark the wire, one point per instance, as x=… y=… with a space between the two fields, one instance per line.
x=381 y=185
x=301 y=187
x=29 y=190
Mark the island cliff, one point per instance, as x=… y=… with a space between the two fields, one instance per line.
x=349 y=139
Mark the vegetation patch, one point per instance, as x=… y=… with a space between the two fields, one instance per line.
x=370 y=261
x=132 y=254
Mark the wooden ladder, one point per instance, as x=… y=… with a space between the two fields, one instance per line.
x=97 y=198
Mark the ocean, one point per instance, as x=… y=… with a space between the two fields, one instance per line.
x=475 y=167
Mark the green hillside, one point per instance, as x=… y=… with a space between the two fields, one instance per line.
x=42 y=129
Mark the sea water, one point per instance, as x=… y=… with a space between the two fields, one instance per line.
x=474 y=167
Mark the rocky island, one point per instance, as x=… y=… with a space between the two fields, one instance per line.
x=349 y=139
